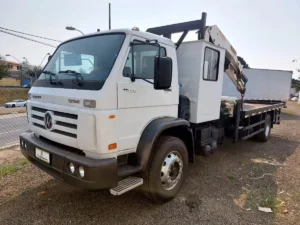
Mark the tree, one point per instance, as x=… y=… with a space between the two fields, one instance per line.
x=34 y=71
x=243 y=62
x=295 y=81
x=296 y=84
x=3 y=68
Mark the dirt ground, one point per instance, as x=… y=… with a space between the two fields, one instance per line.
x=226 y=188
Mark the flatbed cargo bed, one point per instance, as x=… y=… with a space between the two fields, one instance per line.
x=249 y=117
x=251 y=109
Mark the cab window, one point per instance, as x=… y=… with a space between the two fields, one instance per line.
x=143 y=61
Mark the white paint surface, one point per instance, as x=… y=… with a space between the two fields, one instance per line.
x=262 y=84
x=205 y=95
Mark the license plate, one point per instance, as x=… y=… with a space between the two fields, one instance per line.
x=42 y=155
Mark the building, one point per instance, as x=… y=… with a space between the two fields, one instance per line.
x=13 y=66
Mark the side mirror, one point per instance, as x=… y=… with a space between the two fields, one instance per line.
x=162 y=73
x=50 y=56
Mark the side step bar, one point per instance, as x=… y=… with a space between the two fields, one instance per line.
x=127 y=184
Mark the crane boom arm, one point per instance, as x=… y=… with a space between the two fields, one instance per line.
x=233 y=67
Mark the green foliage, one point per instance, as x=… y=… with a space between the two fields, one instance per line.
x=243 y=62
x=3 y=68
x=9 y=169
x=35 y=71
x=12 y=168
x=296 y=84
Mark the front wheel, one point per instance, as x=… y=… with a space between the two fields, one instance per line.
x=167 y=171
x=265 y=134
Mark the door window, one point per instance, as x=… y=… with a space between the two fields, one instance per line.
x=211 y=64
x=142 y=63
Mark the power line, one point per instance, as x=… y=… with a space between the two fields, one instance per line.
x=29 y=34
x=27 y=38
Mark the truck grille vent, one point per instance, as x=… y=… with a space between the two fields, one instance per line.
x=56 y=113
x=63 y=123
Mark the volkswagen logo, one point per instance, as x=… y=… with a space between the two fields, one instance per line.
x=48 y=120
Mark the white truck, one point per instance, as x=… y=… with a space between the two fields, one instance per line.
x=123 y=108
x=263 y=84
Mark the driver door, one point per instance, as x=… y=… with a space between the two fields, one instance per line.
x=138 y=102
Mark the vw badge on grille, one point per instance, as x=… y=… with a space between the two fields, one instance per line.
x=48 y=120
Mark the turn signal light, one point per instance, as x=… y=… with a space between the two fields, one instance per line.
x=112 y=146
x=112 y=116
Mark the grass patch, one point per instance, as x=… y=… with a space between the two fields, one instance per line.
x=9 y=169
x=263 y=197
x=9 y=82
x=272 y=203
x=12 y=168
x=10 y=94
x=12 y=110
x=290 y=112
x=231 y=177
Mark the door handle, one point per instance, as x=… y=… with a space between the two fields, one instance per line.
x=169 y=89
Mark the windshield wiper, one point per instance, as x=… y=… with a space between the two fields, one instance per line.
x=70 y=72
x=51 y=75
x=79 y=77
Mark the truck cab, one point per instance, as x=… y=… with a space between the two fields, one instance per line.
x=104 y=111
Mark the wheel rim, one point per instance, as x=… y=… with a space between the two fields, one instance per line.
x=171 y=170
x=267 y=131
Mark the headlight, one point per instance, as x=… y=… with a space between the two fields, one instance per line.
x=89 y=103
x=81 y=171
x=71 y=167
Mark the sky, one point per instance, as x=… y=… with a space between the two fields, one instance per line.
x=265 y=33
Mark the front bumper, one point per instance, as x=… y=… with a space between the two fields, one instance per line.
x=99 y=173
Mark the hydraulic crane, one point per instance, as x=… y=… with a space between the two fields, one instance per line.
x=213 y=34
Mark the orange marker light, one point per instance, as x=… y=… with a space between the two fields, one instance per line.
x=112 y=146
x=112 y=117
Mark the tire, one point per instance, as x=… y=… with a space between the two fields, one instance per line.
x=264 y=136
x=171 y=153
x=13 y=106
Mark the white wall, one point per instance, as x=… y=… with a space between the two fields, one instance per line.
x=262 y=84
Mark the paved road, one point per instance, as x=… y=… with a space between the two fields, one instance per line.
x=11 y=126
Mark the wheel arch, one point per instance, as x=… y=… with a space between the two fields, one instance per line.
x=171 y=126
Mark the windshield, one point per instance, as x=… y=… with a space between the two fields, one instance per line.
x=83 y=63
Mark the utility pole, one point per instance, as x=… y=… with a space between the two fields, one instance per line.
x=109 y=20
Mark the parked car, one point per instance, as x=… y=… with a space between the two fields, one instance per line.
x=294 y=99
x=15 y=103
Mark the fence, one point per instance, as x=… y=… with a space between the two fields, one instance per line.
x=13 y=119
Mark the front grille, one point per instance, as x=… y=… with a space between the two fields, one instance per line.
x=63 y=123
x=56 y=113
x=65 y=133
x=74 y=126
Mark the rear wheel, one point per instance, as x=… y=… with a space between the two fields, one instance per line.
x=13 y=106
x=264 y=135
x=167 y=171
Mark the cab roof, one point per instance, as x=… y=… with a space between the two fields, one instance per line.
x=142 y=34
